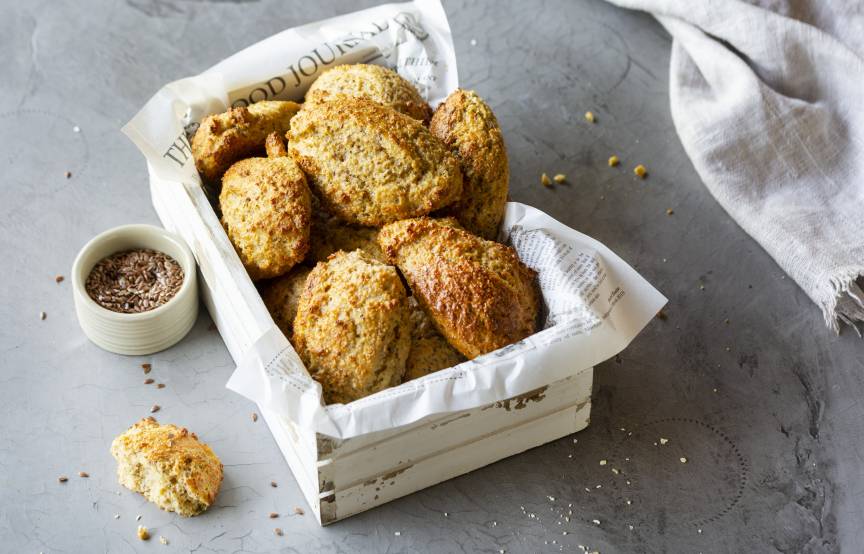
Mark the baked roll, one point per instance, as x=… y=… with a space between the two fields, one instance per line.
x=227 y=137
x=266 y=211
x=373 y=82
x=353 y=328
x=168 y=465
x=371 y=165
x=478 y=293
x=466 y=124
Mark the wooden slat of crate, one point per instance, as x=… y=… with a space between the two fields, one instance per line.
x=356 y=460
x=488 y=448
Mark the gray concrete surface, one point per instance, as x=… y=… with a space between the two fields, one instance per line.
x=765 y=408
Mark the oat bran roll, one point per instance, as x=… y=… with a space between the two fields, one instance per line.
x=168 y=465
x=466 y=124
x=266 y=211
x=282 y=295
x=371 y=165
x=227 y=137
x=477 y=292
x=430 y=351
x=373 y=82
x=353 y=327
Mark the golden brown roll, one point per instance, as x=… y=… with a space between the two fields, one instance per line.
x=430 y=351
x=353 y=328
x=479 y=294
x=370 y=165
x=168 y=465
x=329 y=235
x=266 y=212
x=227 y=137
x=467 y=125
x=282 y=295
x=374 y=82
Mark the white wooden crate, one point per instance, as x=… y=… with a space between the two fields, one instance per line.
x=340 y=478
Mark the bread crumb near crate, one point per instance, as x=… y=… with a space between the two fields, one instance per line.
x=163 y=540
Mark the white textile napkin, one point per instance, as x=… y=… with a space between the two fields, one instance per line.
x=768 y=100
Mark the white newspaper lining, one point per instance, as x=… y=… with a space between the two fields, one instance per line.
x=596 y=303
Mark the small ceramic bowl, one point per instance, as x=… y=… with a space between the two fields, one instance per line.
x=145 y=332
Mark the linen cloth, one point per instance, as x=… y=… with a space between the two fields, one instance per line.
x=768 y=101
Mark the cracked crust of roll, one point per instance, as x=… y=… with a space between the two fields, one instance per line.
x=227 y=137
x=479 y=294
x=282 y=295
x=168 y=465
x=353 y=327
x=370 y=165
x=466 y=124
x=430 y=352
x=266 y=212
x=374 y=82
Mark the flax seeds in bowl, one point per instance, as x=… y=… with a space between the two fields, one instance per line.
x=134 y=281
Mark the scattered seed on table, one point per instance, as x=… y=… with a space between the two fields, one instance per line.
x=83 y=474
x=138 y=517
x=116 y=516
x=163 y=540
x=68 y=174
x=42 y=316
x=149 y=381
x=254 y=417
x=278 y=531
x=663 y=441
x=273 y=515
x=62 y=478
x=545 y=181
x=589 y=117
x=602 y=462
x=560 y=178
x=613 y=160
x=274 y=484
x=299 y=511
x=155 y=408
x=143 y=534
x=58 y=279
x=669 y=211
x=682 y=459
x=160 y=386
x=146 y=368
x=640 y=171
